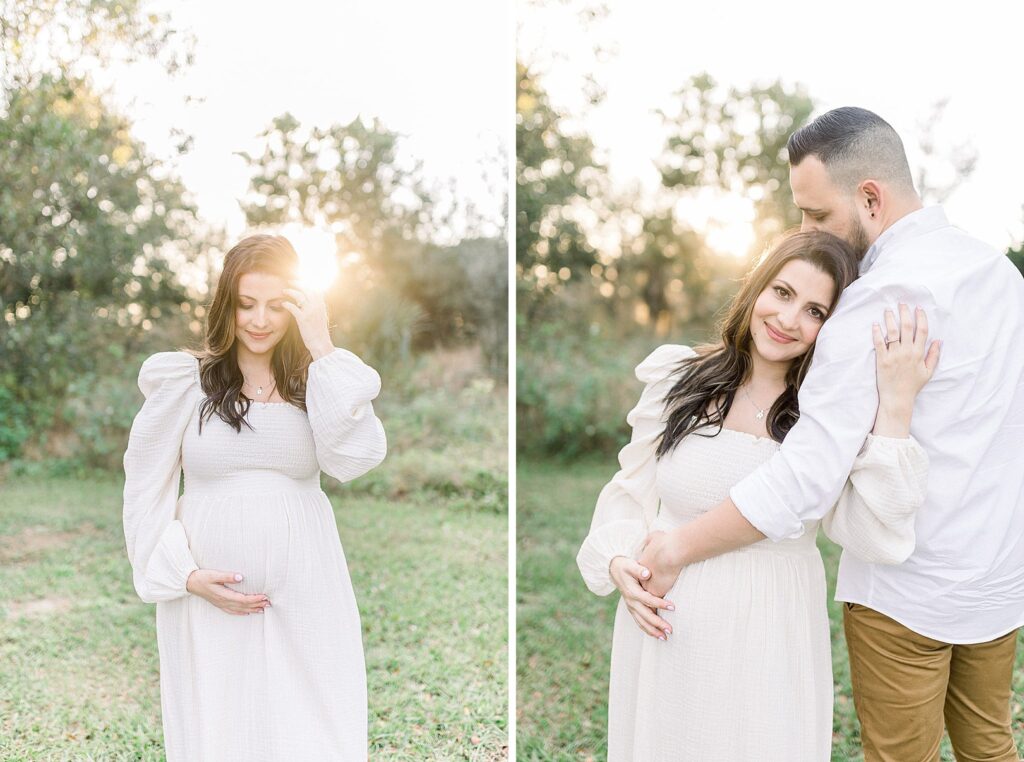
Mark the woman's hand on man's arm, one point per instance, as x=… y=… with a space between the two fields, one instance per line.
x=904 y=363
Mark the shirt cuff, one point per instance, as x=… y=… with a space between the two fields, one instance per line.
x=769 y=515
x=617 y=538
x=170 y=564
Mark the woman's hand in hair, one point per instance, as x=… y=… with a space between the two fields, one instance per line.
x=310 y=313
x=212 y=585
x=904 y=363
x=643 y=607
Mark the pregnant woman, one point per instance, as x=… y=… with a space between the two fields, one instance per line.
x=734 y=662
x=252 y=420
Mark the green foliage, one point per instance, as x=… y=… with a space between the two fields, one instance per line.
x=68 y=37
x=15 y=429
x=347 y=176
x=83 y=209
x=97 y=415
x=556 y=174
x=653 y=269
x=735 y=139
x=470 y=294
x=1017 y=257
x=573 y=389
x=447 y=427
x=87 y=217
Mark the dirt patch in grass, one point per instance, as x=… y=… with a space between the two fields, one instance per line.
x=40 y=607
x=35 y=541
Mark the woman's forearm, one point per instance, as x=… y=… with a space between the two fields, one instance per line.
x=893 y=419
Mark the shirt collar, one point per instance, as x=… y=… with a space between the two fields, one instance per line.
x=909 y=226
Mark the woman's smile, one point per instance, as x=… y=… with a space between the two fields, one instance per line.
x=778 y=335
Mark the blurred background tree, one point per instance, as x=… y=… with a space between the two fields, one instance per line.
x=558 y=182
x=90 y=223
x=349 y=178
x=734 y=140
x=1017 y=257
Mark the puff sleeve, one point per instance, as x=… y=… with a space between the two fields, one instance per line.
x=874 y=516
x=349 y=438
x=156 y=541
x=629 y=502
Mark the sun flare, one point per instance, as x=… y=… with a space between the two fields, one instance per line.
x=318 y=260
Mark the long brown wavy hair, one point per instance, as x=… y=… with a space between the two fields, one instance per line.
x=708 y=382
x=219 y=374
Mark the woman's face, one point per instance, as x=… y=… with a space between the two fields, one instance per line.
x=789 y=313
x=260 y=320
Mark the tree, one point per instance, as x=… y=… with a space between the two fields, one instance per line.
x=943 y=166
x=353 y=179
x=735 y=140
x=89 y=220
x=73 y=38
x=347 y=177
x=1017 y=257
x=557 y=179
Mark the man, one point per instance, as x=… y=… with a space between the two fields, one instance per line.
x=933 y=638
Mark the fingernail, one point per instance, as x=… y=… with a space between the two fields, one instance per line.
x=238 y=578
x=671 y=607
x=662 y=637
x=644 y=573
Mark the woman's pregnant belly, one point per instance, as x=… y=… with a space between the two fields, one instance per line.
x=758 y=586
x=259 y=536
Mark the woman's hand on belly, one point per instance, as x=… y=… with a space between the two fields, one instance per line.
x=211 y=585
x=643 y=607
x=659 y=556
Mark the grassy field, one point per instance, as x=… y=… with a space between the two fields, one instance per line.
x=78 y=657
x=564 y=631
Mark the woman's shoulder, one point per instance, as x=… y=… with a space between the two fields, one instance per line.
x=662 y=362
x=177 y=368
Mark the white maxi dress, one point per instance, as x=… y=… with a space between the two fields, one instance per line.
x=290 y=683
x=747 y=671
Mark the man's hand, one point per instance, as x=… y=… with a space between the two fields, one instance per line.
x=661 y=556
x=627 y=575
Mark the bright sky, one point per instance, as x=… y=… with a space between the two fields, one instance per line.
x=440 y=73
x=896 y=59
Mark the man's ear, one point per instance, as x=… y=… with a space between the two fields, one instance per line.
x=870 y=195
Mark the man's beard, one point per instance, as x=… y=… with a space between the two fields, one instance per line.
x=857 y=238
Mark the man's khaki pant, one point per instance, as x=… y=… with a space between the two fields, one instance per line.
x=904 y=684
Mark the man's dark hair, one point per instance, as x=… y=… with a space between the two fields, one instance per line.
x=854 y=144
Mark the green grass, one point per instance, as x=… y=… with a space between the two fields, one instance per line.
x=564 y=631
x=78 y=656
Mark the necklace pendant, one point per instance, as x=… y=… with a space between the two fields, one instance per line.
x=760 y=415
x=259 y=390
